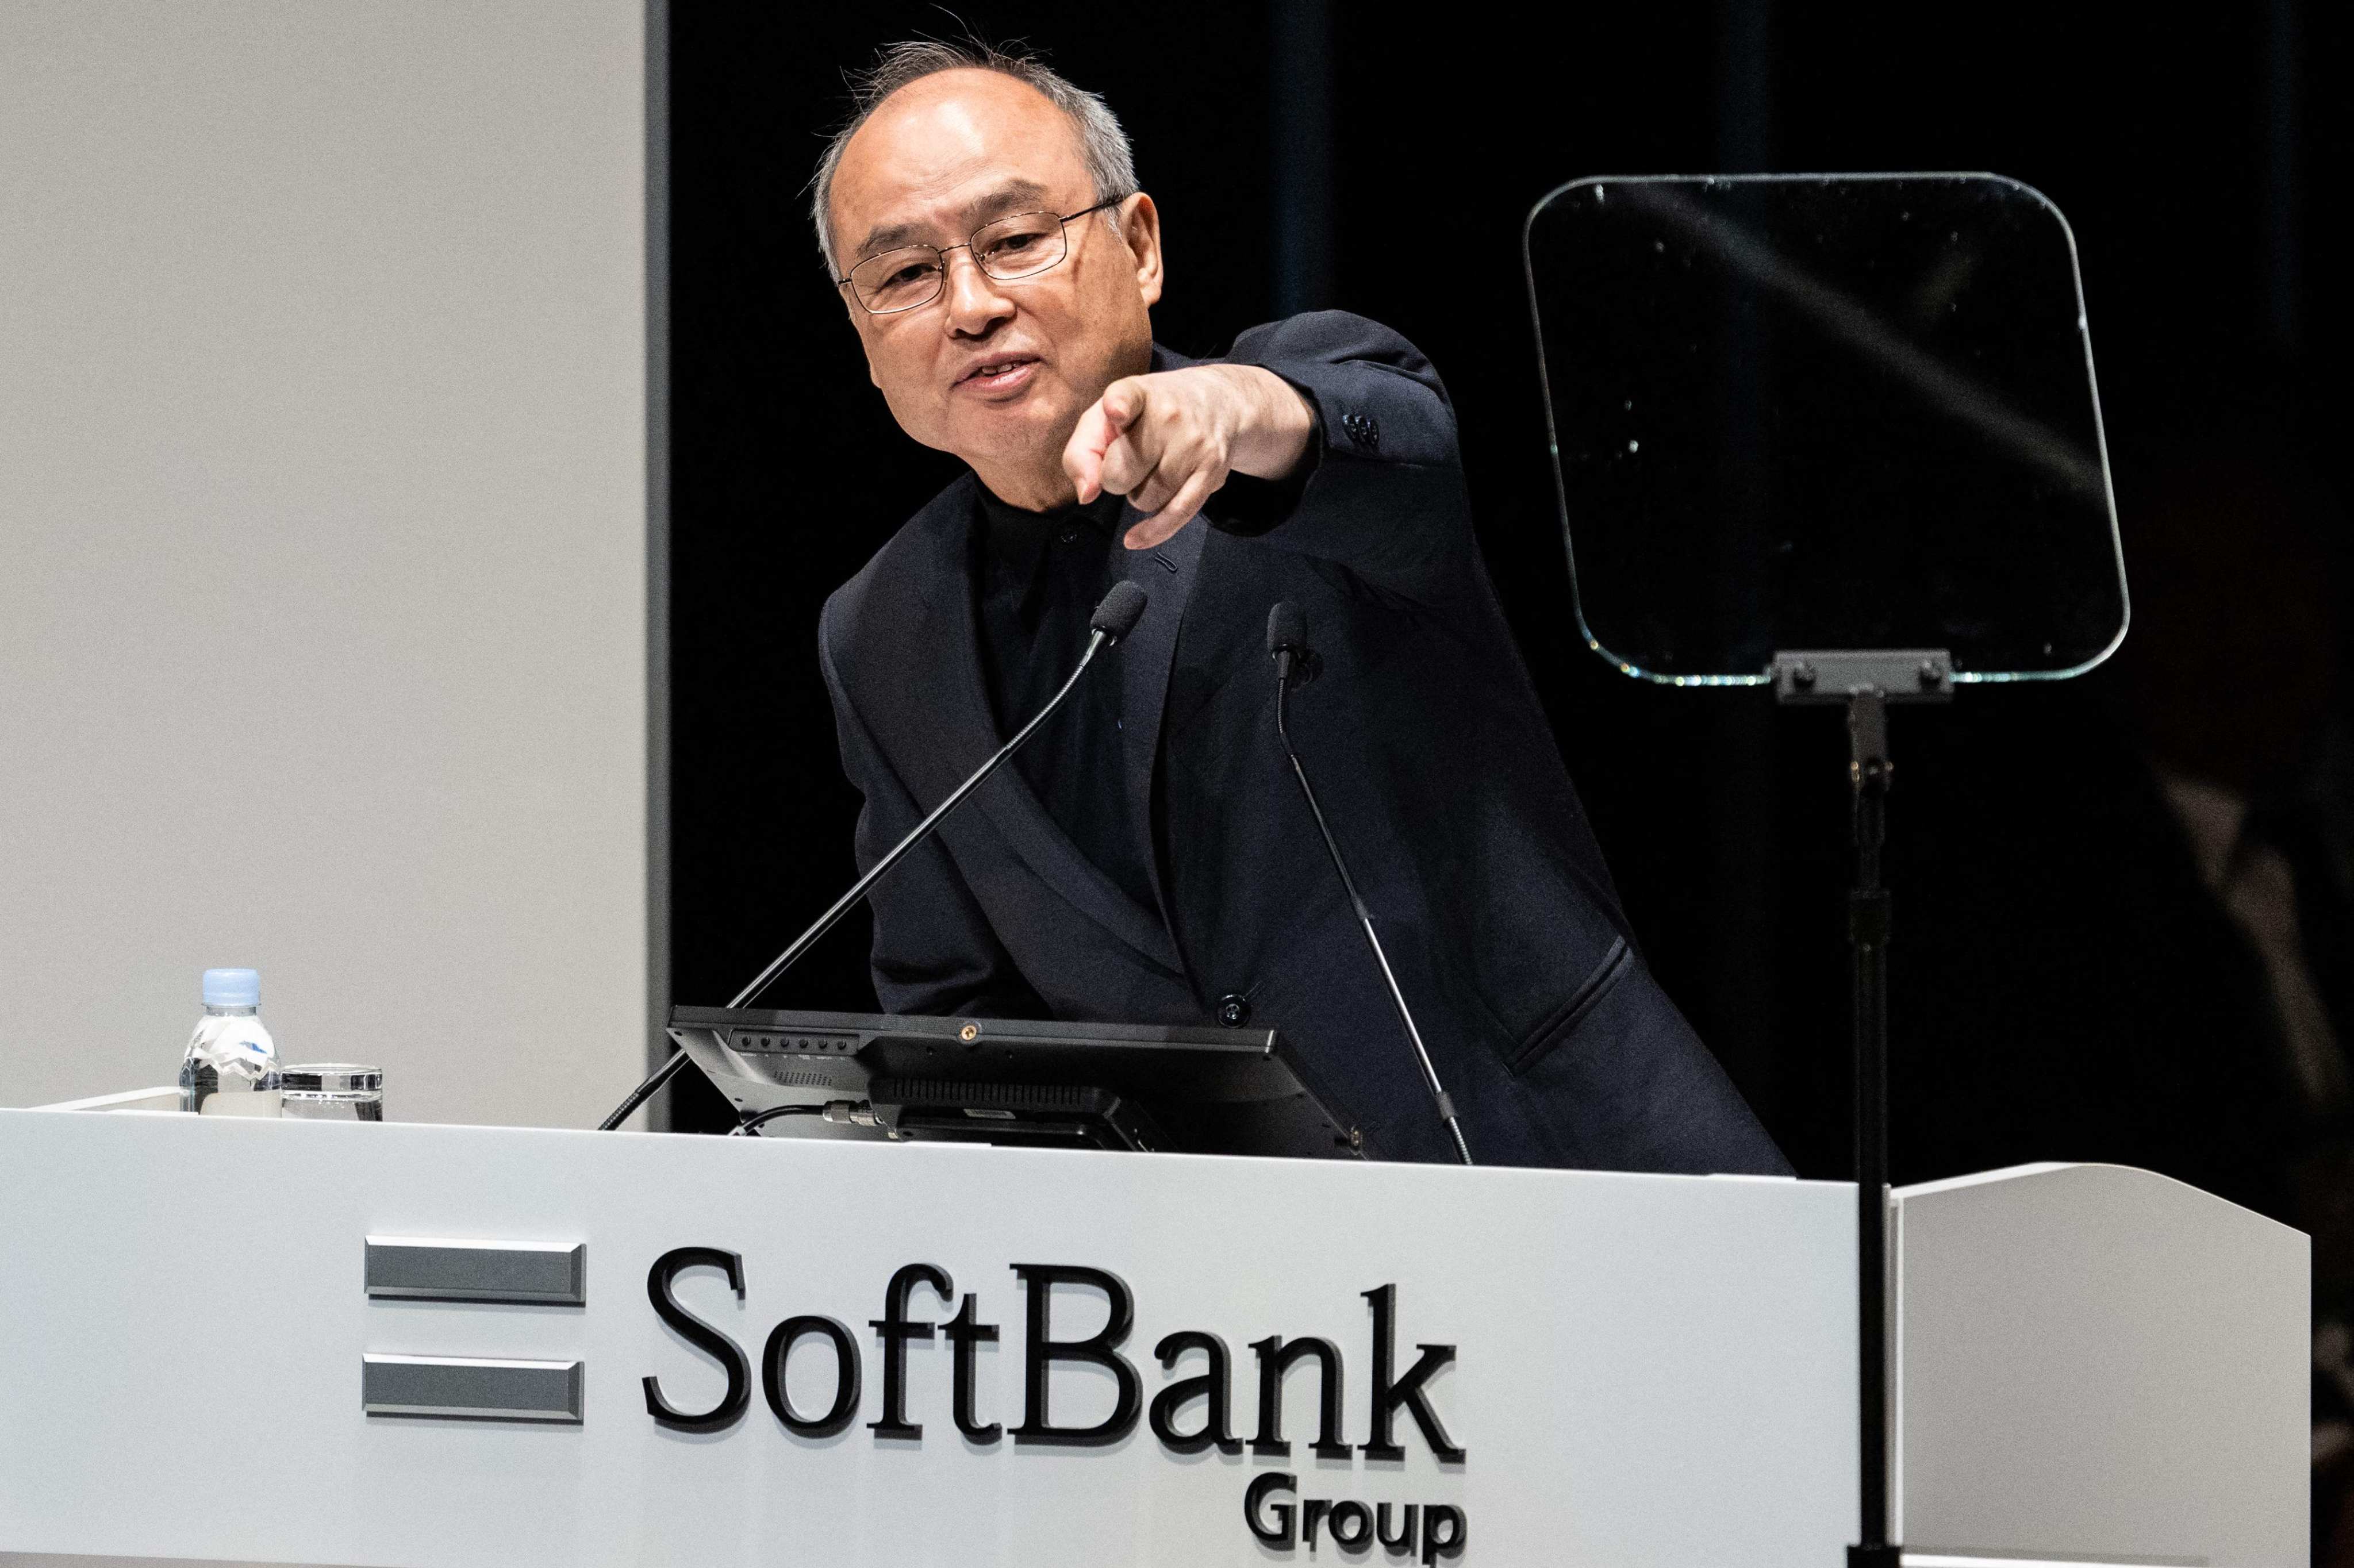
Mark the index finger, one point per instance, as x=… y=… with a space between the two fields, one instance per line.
x=1100 y=426
x=1083 y=455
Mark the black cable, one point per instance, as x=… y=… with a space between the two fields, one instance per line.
x=745 y=1128
x=644 y=1092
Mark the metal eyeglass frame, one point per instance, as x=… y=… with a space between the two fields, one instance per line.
x=941 y=251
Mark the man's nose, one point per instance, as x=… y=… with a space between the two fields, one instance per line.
x=975 y=301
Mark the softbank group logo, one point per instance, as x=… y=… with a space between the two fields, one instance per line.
x=1193 y=1408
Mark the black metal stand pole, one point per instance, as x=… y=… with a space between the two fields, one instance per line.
x=1870 y=774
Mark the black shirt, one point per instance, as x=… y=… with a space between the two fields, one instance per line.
x=1037 y=582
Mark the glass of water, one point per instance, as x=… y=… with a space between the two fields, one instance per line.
x=332 y=1091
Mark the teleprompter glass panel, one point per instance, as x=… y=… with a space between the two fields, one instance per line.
x=1825 y=412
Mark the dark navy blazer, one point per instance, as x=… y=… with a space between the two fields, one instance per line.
x=1425 y=742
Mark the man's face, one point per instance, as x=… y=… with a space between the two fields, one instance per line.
x=997 y=372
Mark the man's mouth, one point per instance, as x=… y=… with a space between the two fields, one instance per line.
x=998 y=374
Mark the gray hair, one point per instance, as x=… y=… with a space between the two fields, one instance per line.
x=1103 y=145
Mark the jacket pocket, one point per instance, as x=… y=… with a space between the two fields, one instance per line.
x=1561 y=1023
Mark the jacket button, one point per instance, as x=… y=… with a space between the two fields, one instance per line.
x=1234 y=1011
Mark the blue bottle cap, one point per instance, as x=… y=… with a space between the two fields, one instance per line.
x=232 y=988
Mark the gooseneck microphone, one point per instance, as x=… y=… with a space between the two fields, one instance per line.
x=1114 y=619
x=1286 y=641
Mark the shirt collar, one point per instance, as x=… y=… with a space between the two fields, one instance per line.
x=1017 y=531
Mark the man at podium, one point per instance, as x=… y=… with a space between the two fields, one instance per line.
x=1147 y=859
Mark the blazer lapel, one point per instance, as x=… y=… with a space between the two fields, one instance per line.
x=1166 y=574
x=950 y=642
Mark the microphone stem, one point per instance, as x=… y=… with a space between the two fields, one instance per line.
x=843 y=905
x=1364 y=916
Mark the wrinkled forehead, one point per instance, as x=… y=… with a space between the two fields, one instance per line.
x=949 y=152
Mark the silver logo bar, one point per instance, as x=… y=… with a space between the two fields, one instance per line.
x=425 y=1268
x=467 y=1388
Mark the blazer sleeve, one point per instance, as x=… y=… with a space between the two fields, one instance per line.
x=1385 y=497
x=933 y=951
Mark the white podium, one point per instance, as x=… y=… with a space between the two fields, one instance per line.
x=2092 y=1364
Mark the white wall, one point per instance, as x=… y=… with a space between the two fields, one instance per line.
x=324 y=542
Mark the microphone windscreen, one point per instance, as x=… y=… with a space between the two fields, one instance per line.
x=1121 y=609
x=1286 y=627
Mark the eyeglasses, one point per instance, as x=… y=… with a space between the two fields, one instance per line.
x=913 y=276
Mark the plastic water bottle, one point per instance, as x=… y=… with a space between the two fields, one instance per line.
x=231 y=1067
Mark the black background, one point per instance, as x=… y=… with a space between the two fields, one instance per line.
x=2062 y=989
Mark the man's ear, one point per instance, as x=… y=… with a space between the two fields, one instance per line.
x=1140 y=227
x=858 y=319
